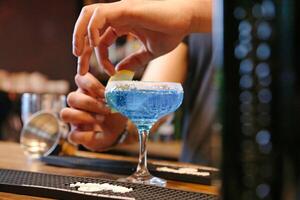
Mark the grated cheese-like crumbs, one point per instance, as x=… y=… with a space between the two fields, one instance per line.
x=96 y=187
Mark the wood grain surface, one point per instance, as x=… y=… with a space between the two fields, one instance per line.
x=12 y=157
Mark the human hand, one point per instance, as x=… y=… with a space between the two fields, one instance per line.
x=92 y=123
x=159 y=25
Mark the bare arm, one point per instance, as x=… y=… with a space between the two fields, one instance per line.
x=171 y=67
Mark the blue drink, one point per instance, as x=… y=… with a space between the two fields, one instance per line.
x=144 y=107
x=144 y=103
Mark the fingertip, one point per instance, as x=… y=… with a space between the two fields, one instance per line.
x=75 y=52
x=125 y=66
x=78 y=69
x=111 y=72
x=64 y=114
x=136 y=60
x=120 y=67
x=73 y=137
x=81 y=137
x=71 y=98
x=82 y=65
x=77 y=46
x=108 y=67
x=81 y=70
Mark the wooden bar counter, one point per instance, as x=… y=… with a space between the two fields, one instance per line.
x=12 y=157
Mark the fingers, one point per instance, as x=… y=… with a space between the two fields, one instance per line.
x=93 y=29
x=80 y=28
x=101 y=51
x=135 y=60
x=84 y=58
x=86 y=103
x=106 y=40
x=90 y=84
x=105 y=15
x=76 y=117
x=92 y=22
x=97 y=26
x=91 y=139
x=86 y=138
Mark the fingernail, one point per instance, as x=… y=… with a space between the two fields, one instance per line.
x=99 y=118
x=99 y=135
x=78 y=68
x=71 y=139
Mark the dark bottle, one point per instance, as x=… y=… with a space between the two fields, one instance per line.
x=288 y=97
x=256 y=98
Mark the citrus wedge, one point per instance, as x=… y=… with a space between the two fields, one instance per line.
x=125 y=75
x=122 y=75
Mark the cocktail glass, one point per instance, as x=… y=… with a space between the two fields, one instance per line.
x=144 y=103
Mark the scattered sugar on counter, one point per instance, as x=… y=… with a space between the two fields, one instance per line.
x=96 y=187
x=183 y=170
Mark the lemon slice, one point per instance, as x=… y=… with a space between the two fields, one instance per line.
x=125 y=75
x=122 y=75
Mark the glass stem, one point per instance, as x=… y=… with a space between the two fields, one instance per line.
x=142 y=164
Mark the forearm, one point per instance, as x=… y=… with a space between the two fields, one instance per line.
x=171 y=67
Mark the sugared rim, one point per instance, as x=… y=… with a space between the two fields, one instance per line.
x=143 y=85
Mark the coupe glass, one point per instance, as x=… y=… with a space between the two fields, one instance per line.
x=144 y=103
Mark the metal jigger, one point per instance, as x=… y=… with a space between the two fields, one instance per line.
x=40 y=135
x=43 y=130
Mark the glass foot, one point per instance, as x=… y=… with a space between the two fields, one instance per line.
x=149 y=180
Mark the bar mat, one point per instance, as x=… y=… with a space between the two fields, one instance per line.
x=200 y=175
x=57 y=186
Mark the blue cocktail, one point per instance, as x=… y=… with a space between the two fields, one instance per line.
x=144 y=103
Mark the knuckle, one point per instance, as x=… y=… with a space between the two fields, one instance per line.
x=94 y=86
x=100 y=10
x=91 y=86
x=125 y=12
x=85 y=10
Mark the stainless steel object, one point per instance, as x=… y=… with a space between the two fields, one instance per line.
x=40 y=135
x=32 y=103
x=42 y=129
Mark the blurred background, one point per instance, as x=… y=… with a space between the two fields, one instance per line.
x=37 y=36
x=36 y=57
x=257 y=80
x=35 y=54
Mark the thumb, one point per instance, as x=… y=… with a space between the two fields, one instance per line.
x=136 y=60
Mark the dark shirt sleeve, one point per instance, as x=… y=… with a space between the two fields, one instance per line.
x=186 y=40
